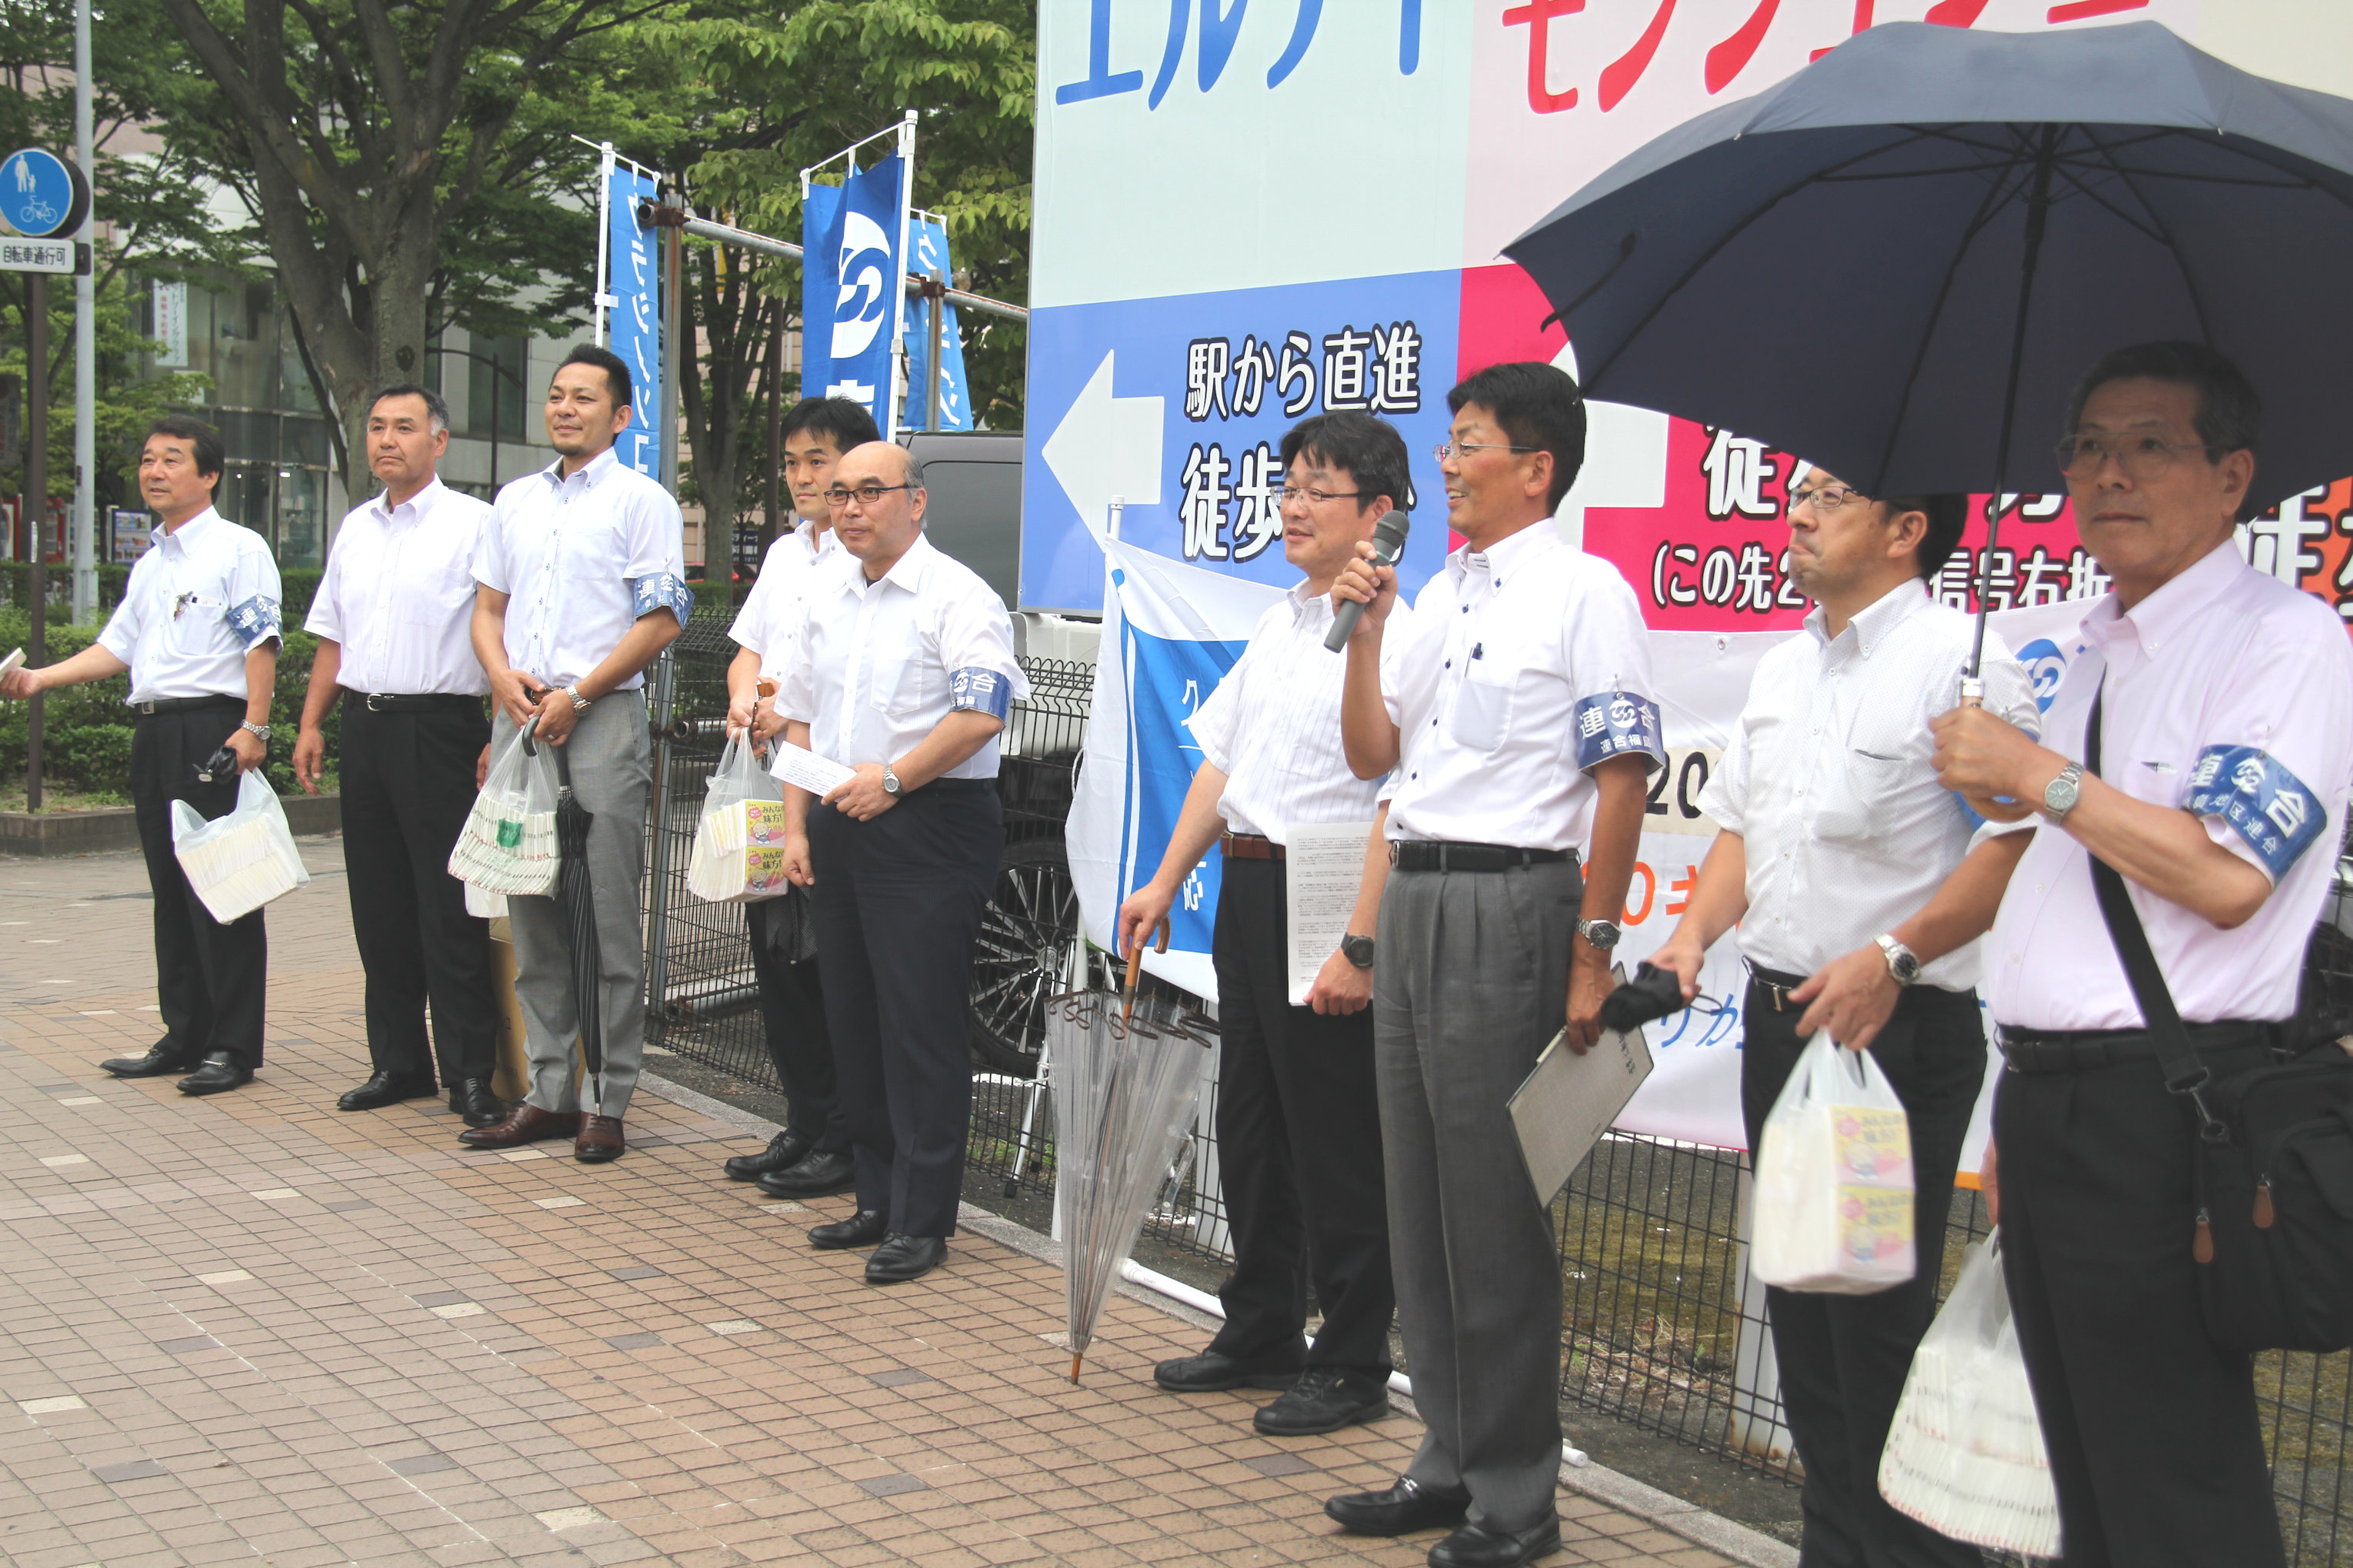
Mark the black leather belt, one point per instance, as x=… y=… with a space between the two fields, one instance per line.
x=1776 y=987
x=183 y=705
x=419 y=703
x=1251 y=846
x=1436 y=855
x=2087 y=1050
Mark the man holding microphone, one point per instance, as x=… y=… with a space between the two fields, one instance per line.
x=1299 y=1133
x=393 y=615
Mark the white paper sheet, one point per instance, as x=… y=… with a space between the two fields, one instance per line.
x=1568 y=1100
x=804 y=769
x=8 y=665
x=1323 y=868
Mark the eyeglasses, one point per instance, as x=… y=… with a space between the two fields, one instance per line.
x=866 y=494
x=1824 y=497
x=1447 y=449
x=1297 y=492
x=2142 y=457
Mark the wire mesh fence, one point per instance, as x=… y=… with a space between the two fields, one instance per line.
x=1660 y=1326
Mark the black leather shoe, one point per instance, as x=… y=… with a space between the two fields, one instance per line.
x=904 y=1257
x=1324 y=1399
x=864 y=1228
x=471 y=1099
x=784 y=1150
x=1209 y=1372
x=817 y=1176
x=220 y=1071
x=387 y=1089
x=1403 y=1509
x=162 y=1057
x=1475 y=1546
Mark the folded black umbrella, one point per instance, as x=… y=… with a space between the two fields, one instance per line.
x=576 y=896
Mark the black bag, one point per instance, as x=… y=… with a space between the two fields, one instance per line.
x=2273 y=1164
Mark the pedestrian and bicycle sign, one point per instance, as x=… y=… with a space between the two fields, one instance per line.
x=41 y=194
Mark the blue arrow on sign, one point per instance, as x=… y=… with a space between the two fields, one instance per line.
x=40 y=195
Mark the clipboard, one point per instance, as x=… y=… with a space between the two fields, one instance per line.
x=1568 y=1102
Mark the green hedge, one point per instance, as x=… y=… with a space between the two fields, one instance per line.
x=86 y=730
x=297 y=584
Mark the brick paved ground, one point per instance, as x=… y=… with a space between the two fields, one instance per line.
x=247 y=1328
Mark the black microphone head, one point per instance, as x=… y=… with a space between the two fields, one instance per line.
x=1389 y=535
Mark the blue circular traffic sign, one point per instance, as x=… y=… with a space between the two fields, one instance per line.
x=41 y=194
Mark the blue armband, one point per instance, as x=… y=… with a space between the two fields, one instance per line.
x=974 y=690
x=662 y=591
x=2269 y=806
x=1615 y=723
x=255 y=621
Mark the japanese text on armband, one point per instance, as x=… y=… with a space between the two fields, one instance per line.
x=2268 y=806
x=254 y=622
x=973 y=691
x=661 y=591
x=1614 y=723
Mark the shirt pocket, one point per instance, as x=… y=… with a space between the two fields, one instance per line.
x=590 y=553
x=1483 y=704
x=442 y=583
x=907 y=678
x=195 y=619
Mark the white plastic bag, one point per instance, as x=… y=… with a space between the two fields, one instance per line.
x=1834 y=1179
x=507 y=845
x=739 y=846
x=239 y=862
x=484 y=904
x=1964 y=1456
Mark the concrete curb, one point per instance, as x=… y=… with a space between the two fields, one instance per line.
x=1750 y=1548
x=46 y=833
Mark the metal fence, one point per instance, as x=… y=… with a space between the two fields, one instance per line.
x=1660 y=1325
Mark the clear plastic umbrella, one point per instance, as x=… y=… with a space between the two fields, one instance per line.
x=1124 y=1094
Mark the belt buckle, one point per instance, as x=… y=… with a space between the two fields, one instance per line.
x=370 y=700
x=147 y=707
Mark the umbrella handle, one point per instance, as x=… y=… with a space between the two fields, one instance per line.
x=1992 y=808
x=525 y=734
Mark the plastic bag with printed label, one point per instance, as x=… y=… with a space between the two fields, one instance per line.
x=1835 y=1184
x=507 y=845
x=239 y=862
x=1964 y=1456
x=739 y=846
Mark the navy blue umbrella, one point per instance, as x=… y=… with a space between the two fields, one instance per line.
x=1898 y=261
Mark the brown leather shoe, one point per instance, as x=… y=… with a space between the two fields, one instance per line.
x=526 y=1123
x=600 y=1139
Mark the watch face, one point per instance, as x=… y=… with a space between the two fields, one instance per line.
x=1601 y=934
x=1906 y=967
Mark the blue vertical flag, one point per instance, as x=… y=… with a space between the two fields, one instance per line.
x=633 y=318
x=852 y=282
x=927 y=243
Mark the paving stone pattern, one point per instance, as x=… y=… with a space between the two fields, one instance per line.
x=248 y=1329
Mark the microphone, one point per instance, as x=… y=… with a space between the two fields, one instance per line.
x=1389 y=543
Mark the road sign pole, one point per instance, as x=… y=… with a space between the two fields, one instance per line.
x=85 y=503
x=37 y=509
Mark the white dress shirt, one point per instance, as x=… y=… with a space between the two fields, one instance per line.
x=875 y=667
x=772 y=610
x=1829 y=782
x=1272 y=725
x=581 y=560
x=2230 y=695
x=1521 y=668
x=205 y=596
x=398 y=596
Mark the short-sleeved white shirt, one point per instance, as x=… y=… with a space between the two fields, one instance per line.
x=398 y=596
x=875 y=667
x=1272 y=725
x=2229 y=695
x=581 y=560
x=1522 y=666
x=771 y=612
x=205 y=596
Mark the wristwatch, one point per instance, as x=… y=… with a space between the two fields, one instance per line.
x=1603 y=934
x=1903 y=963
x=890 y=782
x=2059 y=795
x=258 y=732
x=578 y=702
x=1358 y=950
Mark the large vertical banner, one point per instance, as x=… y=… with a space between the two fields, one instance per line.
x=853 y=282
x=927 y=248
x=629 y=315
x=1249 y=211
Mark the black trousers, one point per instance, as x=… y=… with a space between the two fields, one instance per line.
x=1299 y=1150
x=1843 y=1358
x=408 y=783
x=2155 y=1439
x=899 y=899
x=211 y=980
x=792 y=1019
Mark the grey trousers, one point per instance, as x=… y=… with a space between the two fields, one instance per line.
x=1473 y=982
x=612 y=769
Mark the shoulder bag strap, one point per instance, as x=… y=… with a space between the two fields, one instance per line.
x=2184 y=1073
